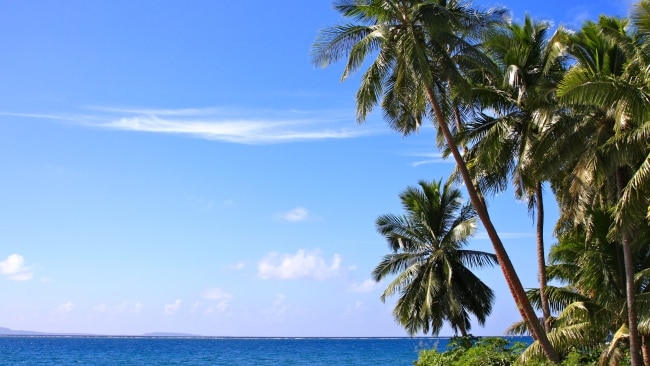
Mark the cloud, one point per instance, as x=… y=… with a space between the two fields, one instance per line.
x=302 y=265
x=218 y=302
x=137 y=308
x=430 y=158
x=219 y=124
x=216 y=294
x=295 y=215
x=368 y=285
x=221 y=297
x=484 y=235
x=171 y=309
x=65 y=308
x=14 y=267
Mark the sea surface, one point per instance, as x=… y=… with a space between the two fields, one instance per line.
x=90 y=350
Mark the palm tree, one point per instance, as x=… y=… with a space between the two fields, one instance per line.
x=610 y=83
x=502 y=139
x=592 y=304
x=433 y=275
x=414 y=44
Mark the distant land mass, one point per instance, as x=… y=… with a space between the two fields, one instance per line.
x=7 y=331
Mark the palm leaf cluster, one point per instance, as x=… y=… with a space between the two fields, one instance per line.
x=517 y=107
x=432 y=271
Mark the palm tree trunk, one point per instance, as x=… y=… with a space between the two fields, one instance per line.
x=517 y=290
x=463 y=329
x=630 y=289
x=541 y=257
x=459 y=123
x=645 y=347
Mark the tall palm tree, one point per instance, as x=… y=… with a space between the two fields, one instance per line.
x=609 y=81
x=592 y=304
x=414 y=44
x=518 y=108
x=433 y=275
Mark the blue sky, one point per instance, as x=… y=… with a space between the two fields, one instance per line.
x=182 y=167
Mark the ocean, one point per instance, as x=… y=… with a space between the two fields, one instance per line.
x=88 y=350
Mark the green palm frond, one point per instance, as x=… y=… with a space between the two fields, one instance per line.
x=432 y=271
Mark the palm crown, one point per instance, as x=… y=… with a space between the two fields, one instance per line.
x=433 y=275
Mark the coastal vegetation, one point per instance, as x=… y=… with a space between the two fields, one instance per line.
x=432 y=270
x=516 y=106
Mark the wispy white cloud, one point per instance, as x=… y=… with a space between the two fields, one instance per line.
x=302 y=265
x=295 y=215
x=219 y=124
x=484 y=236
x=220 y=299
x=216 y=293
x=14 y=267
x=368 y=285
x=429 y=158
x=65 y=308
x=171 y=309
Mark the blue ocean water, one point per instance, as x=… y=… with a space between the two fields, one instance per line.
x=48 y=350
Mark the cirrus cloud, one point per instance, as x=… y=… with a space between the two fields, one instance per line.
x=219 y=124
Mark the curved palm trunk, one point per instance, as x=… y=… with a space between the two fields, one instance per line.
x=516 y=288
x=459 y=123
x=645 y=346
x=630 y=290
x=541 y=257
x=463 y=330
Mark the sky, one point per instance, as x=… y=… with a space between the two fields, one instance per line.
x=181 y=166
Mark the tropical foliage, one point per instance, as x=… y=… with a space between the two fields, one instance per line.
x=518 y=107
x=464 y=351
x=433 y=271
x=425 y=53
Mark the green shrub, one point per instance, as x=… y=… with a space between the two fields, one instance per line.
x=431 y=357
x=472 y=351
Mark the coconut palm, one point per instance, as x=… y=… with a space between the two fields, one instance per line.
x=502 y=139
x=413 y=45
x=592 y=304
x=433 y=273
x=605 y=83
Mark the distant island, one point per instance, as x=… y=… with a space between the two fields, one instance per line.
x=11 y=332
x=7 y=331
